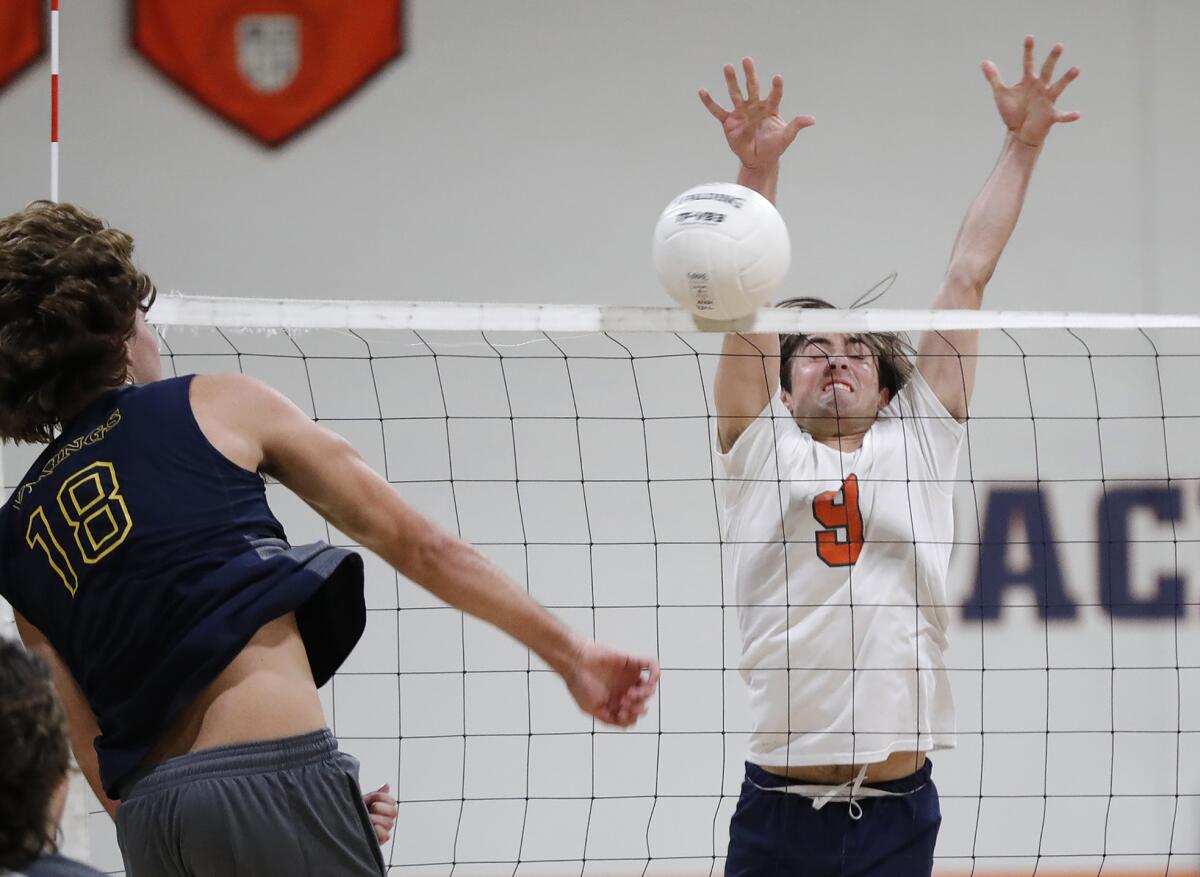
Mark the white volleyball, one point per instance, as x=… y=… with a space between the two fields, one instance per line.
x=721 y=250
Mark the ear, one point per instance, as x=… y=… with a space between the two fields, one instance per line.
x=885 y=396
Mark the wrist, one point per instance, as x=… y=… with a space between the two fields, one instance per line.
x=761 y=178
x=765 y=170
x=1016 y=142
x=563 y=654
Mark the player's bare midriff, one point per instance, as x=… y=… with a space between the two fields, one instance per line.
x=266 y=692
x=897 y=766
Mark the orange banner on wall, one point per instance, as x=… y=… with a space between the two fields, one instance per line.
x=271 y=67
x=21 y=39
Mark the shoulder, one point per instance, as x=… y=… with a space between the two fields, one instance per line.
x=771 y=438
x=236 y=399
x=917 y=400
x=234 y=411
x=919 y=430
x=229 y=387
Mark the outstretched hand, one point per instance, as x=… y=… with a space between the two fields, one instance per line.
x=611 y=685
x=756 y=132
x=1028 y=107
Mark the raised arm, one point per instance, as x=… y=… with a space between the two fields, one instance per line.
x=748 y=373
x=947 y=359
x=259 y=429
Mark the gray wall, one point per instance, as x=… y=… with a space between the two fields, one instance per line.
x=520 y=151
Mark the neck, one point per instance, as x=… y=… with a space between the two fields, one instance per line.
x=845 y=442
x=843 y=434
x=67 y=415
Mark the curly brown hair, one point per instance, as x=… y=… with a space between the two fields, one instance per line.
x=33 y=755
x=69 y=296
x=892 y=350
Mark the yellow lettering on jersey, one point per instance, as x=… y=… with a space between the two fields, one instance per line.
x=39 y=535
x=91 y=503
x=96 y=435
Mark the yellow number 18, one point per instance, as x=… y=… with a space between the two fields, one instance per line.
x=92 y=506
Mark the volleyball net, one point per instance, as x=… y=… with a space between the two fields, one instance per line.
x=573 y=447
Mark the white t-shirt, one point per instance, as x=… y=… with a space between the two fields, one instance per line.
x=839 y=563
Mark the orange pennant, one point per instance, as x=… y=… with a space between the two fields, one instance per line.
x=21 y=40
x=271 y=67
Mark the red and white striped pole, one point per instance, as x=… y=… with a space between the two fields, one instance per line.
x=54 y=100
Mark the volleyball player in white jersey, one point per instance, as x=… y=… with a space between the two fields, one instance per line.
x=839 y=458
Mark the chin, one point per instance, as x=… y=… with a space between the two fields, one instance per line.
x=839 y=408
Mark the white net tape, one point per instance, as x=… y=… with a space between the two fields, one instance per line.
x=193 y=310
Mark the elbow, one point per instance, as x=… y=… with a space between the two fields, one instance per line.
x=964 y=285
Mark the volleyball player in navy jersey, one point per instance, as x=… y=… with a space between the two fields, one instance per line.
x=186 y=637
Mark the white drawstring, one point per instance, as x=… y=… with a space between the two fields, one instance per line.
x=849 y=791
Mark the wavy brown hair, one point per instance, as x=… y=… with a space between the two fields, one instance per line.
x=33 y=755
x=892 y=350
x=69 y=295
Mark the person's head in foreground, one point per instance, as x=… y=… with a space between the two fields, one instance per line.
x=33 y=758
x=836 y=383
x=72 y=325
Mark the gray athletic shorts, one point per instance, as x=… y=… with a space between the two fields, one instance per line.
x=280 y=808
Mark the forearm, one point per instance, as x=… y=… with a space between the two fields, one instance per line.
x=761 y=179
x=993 y=215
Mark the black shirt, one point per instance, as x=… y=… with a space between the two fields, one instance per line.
x=148 y=560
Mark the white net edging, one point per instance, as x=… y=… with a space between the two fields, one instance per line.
x=262 y=313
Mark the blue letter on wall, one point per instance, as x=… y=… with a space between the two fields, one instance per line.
x=1116 y=507
x=1042 y=575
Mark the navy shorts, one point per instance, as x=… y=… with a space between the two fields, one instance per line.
x=773 y=834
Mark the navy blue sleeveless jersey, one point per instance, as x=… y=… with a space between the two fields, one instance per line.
x=148 y=560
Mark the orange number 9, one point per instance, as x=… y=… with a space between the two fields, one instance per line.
x=837 y=511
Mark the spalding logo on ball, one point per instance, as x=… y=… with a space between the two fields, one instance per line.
x=721 y=250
